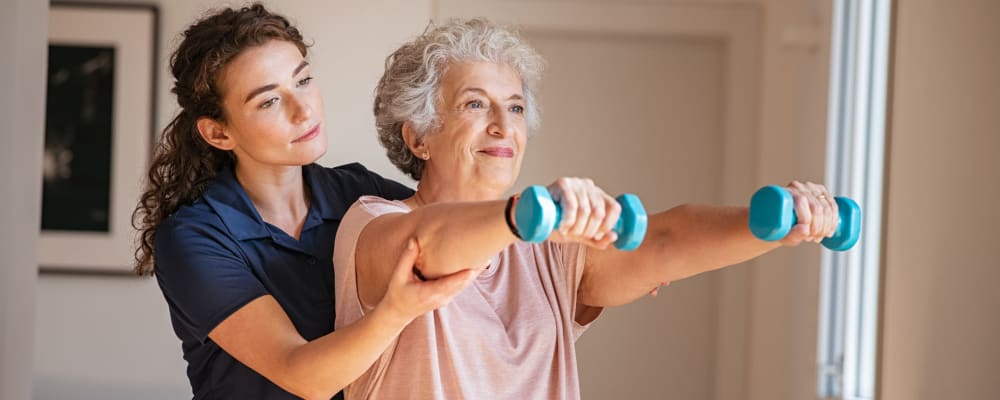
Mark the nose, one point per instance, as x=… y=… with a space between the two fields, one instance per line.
x=300 y=108
x=501 y=125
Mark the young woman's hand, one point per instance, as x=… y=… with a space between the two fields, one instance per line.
x=588 y=213
x=408 y=296
x=816 y=213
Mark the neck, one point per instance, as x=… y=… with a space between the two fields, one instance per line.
x=428 y=191
x=278 y=193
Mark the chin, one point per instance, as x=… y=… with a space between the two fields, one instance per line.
x=315 y=152
x=314 y=158
x=302 y=158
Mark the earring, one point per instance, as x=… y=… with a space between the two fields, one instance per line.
x=425 y=156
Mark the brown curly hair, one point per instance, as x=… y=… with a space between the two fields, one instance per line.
x=183 y=163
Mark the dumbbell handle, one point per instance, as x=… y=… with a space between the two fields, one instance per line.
x=537 y=215
x=772 y=215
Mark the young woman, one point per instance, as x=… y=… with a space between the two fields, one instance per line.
x=238 y=223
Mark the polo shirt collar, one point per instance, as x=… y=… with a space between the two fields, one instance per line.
x=325 y=198
x=227 y=197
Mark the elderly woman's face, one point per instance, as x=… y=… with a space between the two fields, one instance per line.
x=482 y=134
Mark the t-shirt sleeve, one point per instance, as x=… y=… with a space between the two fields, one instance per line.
x=203 y=275
x=574 y=257
x=362 y=212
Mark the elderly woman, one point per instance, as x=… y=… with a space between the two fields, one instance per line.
x=453 y=110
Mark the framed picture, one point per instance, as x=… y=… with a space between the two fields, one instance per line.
x=99 y=126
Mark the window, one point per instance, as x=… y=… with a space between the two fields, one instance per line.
x=849 y=290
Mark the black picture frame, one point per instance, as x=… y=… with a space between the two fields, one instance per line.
x=100 y=126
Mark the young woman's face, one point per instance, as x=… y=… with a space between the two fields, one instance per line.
x=482 y=132
x=274 y=110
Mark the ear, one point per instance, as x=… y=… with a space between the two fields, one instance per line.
x=416 y=145
x=214 y=133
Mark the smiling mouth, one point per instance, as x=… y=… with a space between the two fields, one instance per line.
x=308 y=135
x=502 y=152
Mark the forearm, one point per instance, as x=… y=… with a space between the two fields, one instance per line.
x=322 y=367
x=692 y=239
x=681 y=242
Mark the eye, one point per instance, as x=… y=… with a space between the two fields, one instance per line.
x=268 y=103
x=517 y=109
x=474 y=104
x=305 y=81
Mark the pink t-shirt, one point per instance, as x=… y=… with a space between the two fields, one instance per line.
x=509 y=335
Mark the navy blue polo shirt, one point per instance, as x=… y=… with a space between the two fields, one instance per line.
x=215 y=255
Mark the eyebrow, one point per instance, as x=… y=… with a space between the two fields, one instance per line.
x=514 y=96
x=272 y=86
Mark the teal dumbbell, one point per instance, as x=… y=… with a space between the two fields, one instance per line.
x=772 y=215
x=537 y=215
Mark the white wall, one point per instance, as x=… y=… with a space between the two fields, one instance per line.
x=22 y=110
x=105 y=337
x=109 y=337
x=941 y=320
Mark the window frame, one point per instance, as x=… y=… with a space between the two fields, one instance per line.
x=850 y=281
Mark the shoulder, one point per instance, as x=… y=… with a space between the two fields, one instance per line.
x=357 y=180
x=194 y=231
x=376 y=206
x=198 y=219
x=353 y=172
x=366 y=209
x=363 y=212
x=202 y=271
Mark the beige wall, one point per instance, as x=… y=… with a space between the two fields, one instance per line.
x=22 y=109
x=783 y=287
x=651 y=117
x=941 y=321
x=753 y=327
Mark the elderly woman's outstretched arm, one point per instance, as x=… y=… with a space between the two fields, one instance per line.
x=455 y=236
x=690 y=239
x=451 y=237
